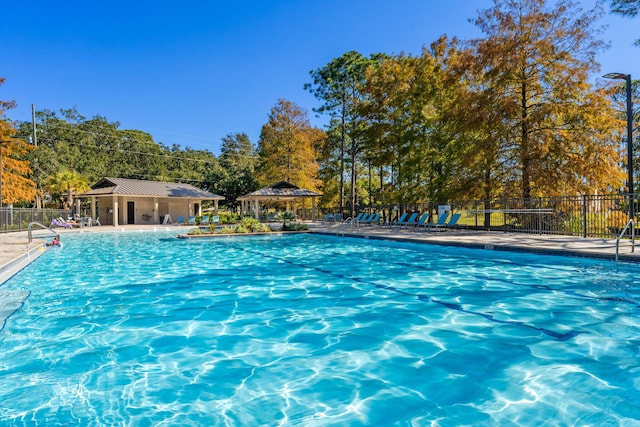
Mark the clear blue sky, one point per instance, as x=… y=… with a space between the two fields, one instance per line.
x=191 y=72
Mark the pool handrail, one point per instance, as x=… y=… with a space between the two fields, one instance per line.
x=44 y=227
x=633 y=244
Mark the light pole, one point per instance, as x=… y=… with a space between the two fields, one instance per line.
x=627 y=79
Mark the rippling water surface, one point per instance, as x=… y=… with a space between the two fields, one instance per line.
x=142 y=329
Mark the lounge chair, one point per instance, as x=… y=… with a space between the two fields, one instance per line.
x=399 y=221
x=332 y=218
x=354 y=220
x=410 y=221
x=452 y=222
x=204 y=220
x=365 y=218
x=373 y=219
x=441 y=220
x=192 y=220
x=59 y=222
x=180 y=220
x=443 y=225
x=214 y=219
x=423 y=220
x=95 y=222
x=328 y=218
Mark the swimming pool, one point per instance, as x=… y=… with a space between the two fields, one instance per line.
x=142 y=329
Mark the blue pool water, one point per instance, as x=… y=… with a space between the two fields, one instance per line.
x=143 y=329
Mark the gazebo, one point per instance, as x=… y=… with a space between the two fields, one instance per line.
x=280 y=192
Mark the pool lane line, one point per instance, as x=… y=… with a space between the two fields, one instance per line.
x=18 y=307
x=531 y=286
x=421 y=297
x=515 y=263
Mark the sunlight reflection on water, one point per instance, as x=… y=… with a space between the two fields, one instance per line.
x=146 y=329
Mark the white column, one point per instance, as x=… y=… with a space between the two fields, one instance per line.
x=256 y=211
x=156 y=218
x=93 y=207
x=114 y=207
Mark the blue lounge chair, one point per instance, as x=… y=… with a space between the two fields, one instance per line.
x=410 y=221
x=180 y=220
x=443 y=225
x=399 y=221
x=204 y=220
x=365 y=218
x=328 y=218
x=354 y=220
x=441 y=220
x=373 y=219
x=452 y=222
x=423 y=220
x=192 y=220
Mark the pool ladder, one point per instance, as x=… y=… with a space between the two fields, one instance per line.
x=633 y=237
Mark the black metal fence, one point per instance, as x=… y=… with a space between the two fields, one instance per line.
x=586 y=216
x=18 y=219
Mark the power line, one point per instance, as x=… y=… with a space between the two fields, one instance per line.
x=129 y=138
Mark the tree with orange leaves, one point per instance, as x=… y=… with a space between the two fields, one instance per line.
x=15 y=185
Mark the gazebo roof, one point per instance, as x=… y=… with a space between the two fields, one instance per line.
x=141 y=188
x=280 y=190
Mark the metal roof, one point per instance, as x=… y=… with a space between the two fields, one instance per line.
x=281 y=189
x=141 y=188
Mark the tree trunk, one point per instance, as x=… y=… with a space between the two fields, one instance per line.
x=342 y=137
x=354 y=175
x=524 y=144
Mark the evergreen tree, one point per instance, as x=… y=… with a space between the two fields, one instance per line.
x=630 y=8
x=236 y=174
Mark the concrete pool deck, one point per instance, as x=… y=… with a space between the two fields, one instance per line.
x=16 y=252
x=494 y=240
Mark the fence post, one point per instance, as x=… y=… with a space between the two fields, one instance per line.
x=504 y=215
x=475 y=216
x=584 y=216
x=538 y=215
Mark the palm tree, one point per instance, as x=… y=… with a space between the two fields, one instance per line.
x=285 y=217
x=67 y=183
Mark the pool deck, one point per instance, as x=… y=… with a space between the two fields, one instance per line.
x=493 y=240
x=16 y=252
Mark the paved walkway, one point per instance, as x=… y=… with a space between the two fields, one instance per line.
x=16 y=252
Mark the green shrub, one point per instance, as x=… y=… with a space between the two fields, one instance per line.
x=571 y=224
x=228 y=218
x=253 y=226
x=196 y=231
x=240 y=229
x=285 y=217
x=295 y=227
x=224 y=230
